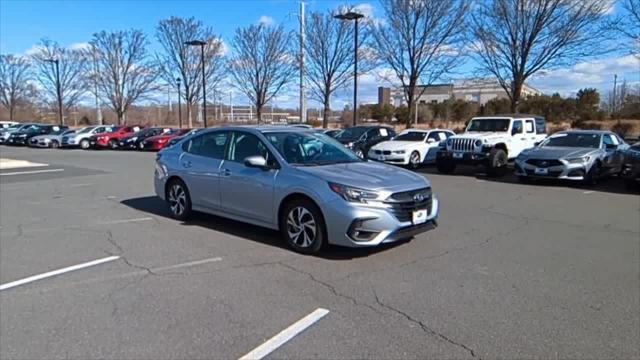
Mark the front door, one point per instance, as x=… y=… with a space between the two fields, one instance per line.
x=518 y=139
x=247 y=191
x=613 y=159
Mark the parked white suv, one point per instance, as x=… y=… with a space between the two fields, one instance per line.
x=492 y=141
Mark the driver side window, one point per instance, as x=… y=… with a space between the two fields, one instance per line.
x=373 y=134
x=609 y=140
x=244 y=145
x=517 y=127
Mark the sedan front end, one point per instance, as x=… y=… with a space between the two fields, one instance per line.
x=565 y=169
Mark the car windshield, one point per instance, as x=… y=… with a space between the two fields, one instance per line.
x=59 y=131
x=30 y=128
x=635 y=147
x=85 y=130
x=14 y=126
x=310 y=148
x=578 y=140
x=176 y=131
x=351 y=133
x=411 y=136
x=488 y=125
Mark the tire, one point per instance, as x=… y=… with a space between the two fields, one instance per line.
x=445 y=165
x=54 y=144
x=414 y=160
x=594 y=174
x=498 y=161
x=84 y=144
x=302 y=226
x=113 y=144
x=140 y=147
x=359 y=153
x=178 y=200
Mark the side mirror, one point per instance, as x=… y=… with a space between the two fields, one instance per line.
x=430 y=141
x=256 y=162
x=611 y=146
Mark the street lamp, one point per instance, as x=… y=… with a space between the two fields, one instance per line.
x=351 y=15
x=58 y=88
x=179 y=104
x=204 y=88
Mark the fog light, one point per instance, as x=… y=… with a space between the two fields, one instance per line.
x=576 y=173
x=359 y=232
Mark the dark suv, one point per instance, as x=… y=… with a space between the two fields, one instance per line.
x=361 y=138
x=631 y=166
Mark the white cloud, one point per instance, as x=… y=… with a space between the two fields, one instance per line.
x=79 y=46
x=597 y=74
x=32 y=50
x=266 y=20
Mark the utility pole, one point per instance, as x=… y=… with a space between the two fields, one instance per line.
x=95 y=85
x=614 y=105
x=303 y=100
x=415 y=115
x=231 y=104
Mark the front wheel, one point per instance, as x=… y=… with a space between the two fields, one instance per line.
x=593 y=175
x=414 y=160
x=498 y=161
x=84 y=144
x=54 y=144
x=179 y=200
x=359 y=153
x=113 y=144
x=302 y=226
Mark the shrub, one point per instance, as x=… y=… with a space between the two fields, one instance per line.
x=622 y=129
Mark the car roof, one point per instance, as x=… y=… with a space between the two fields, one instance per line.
x=515 y=116
x=581 y=131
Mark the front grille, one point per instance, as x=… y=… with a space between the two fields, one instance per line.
x=554 y=173
x=381 y=152
x=403 y=204
x=542 y=163
x=466 y=145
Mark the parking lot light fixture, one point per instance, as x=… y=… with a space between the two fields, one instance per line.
x=204 y=87
x=351 y=15
x=58 y=87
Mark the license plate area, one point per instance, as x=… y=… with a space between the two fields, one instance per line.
x=419 y=216
x=541 y=171
x=458 y=155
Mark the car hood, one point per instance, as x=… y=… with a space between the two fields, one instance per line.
x=489 y=136
x=368 y=175
x=42 y=137
x=397 y=145
x=554 y=153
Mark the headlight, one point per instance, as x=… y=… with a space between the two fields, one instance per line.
x=133 y=139
x=46 y=140
x=478 y=143
x=350 y=145
x=22 y=135
x=449 y=142
x=579 y=160
x=353 y=194
x=160 y=141
x=399 y=152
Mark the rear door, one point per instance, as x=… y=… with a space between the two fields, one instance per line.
x=247 y=191
x=530 y=133
x=200 y=163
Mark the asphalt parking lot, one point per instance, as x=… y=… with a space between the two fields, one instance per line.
x=513 y=271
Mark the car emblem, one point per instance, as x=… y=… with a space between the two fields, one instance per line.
x=544 y=163
x=418 y=197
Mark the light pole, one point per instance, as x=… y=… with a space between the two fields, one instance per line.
x=58 y=87
x=179 y=105
x=351 y=15
x=204 y=85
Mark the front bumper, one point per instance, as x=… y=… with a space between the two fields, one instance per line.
x=463 y=157
x=39 y=143
x=342 y=218
x=15 y=141
x=566 y=171
x=391 y=158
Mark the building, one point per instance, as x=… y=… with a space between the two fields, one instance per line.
x=478 y=90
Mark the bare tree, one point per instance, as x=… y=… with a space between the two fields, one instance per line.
x=421 y=41
x=14 y=86
x=329 y=49
x=72 y=64
x=628 y=25
x=126 y=74
x=262 y=63
x=183 y=61
x=514 y=39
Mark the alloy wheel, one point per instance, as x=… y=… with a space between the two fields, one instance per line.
x=84 y=144
x=414 y=160
x=301 y=227
x=177 y=199
x=360 y=154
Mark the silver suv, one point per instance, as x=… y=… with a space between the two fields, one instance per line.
x=303 y=183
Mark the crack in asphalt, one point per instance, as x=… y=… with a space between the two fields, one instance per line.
x=424 y=327
x=329 y=287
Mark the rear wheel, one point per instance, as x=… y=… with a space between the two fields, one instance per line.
x=302 y=226
x=113 y=144
x=179 y=200
x=54 y=144
x=414 y=160
x=498 y=161
x=445 y=165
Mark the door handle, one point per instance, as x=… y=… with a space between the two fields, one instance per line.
x=225 y=172
x=186 y=164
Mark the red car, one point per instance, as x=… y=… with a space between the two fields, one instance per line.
x=158 y=142
x=110 y=139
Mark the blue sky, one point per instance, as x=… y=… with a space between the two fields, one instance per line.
x=72 y=22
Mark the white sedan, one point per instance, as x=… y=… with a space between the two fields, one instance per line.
x=411 y=147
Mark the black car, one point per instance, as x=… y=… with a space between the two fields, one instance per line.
x=134 y=141
x=21 y=138
x=631 y=165
x=361 y=138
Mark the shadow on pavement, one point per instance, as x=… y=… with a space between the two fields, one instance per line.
x=613 y=185
x=156 y=206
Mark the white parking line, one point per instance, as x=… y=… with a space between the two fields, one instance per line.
x=187 y=264
x=124 y=221
x=285 y=335
x=56 y=272
x=13 y=164
x=588 y=192
x=30 y=172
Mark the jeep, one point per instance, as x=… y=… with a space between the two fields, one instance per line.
x=491 y=141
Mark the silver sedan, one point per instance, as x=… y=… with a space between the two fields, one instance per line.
x=581 y=155
x=306 y=184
